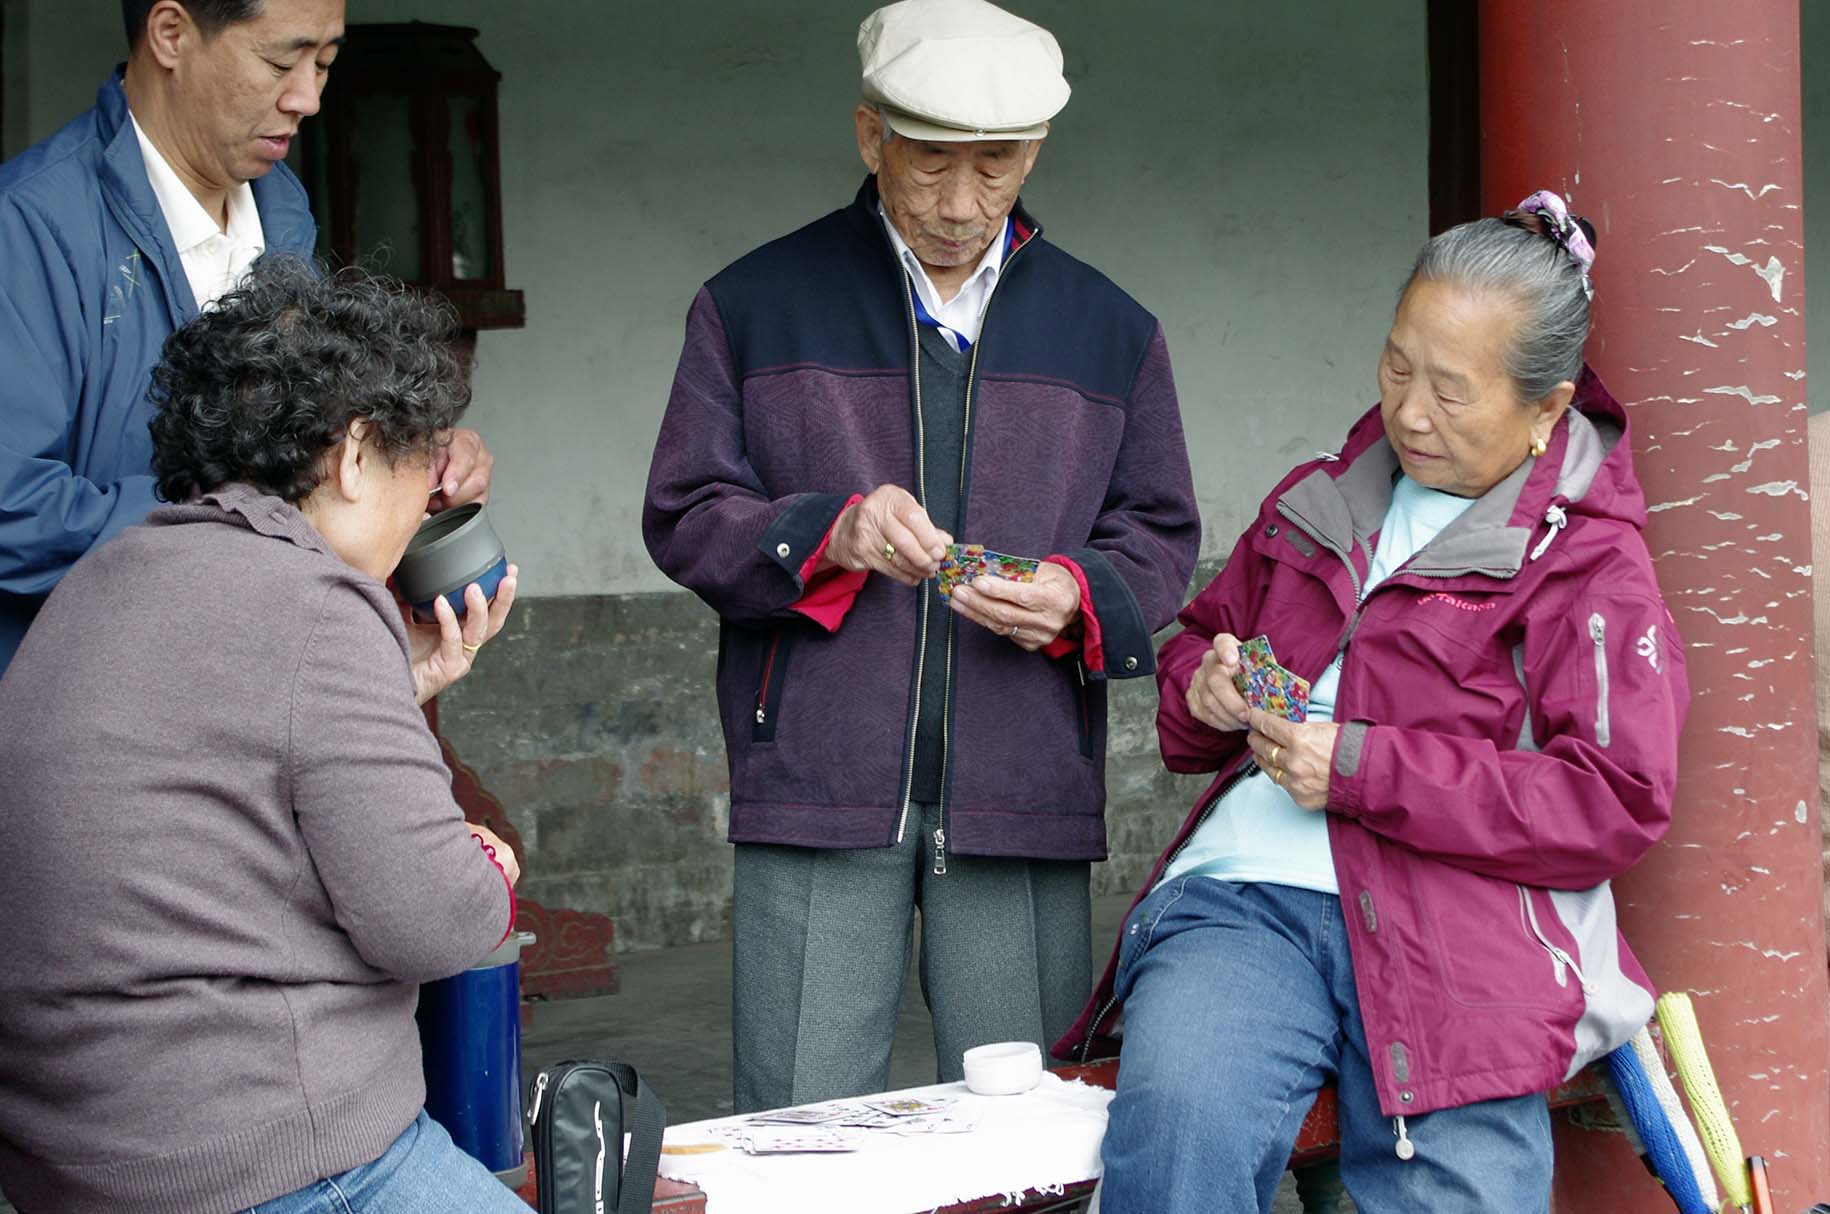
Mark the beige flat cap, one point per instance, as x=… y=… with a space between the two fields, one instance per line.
x=951 y=70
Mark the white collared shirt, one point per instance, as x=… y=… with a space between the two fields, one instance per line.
x=213 y=260
x=960 y=317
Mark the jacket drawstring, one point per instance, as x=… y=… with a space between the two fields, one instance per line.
x=1557 y=520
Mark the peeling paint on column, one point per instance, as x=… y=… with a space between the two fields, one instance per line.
x=1743 y=391
x=1744 y=187
x=1772 y=272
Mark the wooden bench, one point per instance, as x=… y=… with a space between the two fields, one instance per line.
x=1318 y=1141
x=1320 y=1137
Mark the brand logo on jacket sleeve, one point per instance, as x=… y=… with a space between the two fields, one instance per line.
x=1647 y=646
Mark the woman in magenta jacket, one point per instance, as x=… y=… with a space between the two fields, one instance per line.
x=1406 y=894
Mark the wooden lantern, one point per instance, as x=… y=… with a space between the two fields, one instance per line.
x=403 y=168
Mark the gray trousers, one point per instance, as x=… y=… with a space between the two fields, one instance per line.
x=821 y=943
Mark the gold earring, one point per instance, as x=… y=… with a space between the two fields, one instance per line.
x=1537 y=447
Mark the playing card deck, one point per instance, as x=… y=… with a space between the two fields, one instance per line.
x=906 y=1106
x=964 y=562
x=788 y=1140
x=814 y=1115
x=1268 y=686
x=837 y=1126
x=907 y=1126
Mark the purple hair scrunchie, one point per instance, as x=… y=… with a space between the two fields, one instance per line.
x=1563 y=229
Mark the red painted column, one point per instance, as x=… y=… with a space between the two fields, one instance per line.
x=1675 y=125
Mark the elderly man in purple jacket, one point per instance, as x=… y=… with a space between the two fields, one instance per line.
x=919 y=366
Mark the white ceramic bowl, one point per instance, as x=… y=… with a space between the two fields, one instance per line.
x=1003 y=1068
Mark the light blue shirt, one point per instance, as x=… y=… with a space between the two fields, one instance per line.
x=1256 y=832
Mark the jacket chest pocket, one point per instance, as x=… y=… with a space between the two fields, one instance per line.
x=771 y=678
x=1305 y=600
x=1472 y=666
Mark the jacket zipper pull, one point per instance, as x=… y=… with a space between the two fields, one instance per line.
x=940 y=853
x=1405 y=1149
x=1564 y=959
x=1598 y=632
x=1557 y=521
x=533 y=1114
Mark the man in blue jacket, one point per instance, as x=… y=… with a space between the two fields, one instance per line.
x=121 y=227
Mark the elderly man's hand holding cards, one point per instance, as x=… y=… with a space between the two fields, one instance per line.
x=1026 y=600
x=965 y=562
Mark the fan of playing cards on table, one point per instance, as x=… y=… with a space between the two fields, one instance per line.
x=842 y=1125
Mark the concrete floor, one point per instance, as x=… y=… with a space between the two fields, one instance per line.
x=672 y=1020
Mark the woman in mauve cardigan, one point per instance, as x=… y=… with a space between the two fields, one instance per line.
x=232 y=850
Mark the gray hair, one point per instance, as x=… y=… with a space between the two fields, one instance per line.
x=1548 y=288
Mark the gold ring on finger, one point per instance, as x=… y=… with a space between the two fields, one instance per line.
x=471 y=649
x=889 y=551
x=1275 y=751
x=1277 y=776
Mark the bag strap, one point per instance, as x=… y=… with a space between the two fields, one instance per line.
x=635 y=1195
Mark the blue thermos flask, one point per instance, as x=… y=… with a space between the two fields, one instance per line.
x=470 y=1036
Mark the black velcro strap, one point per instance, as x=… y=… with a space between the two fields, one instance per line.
x=636 y=1193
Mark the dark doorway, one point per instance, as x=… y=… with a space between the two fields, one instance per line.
x=5 y=151
x=1455 y=117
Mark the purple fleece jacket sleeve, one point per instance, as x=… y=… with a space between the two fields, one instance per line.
x=708 y=521
x=1142 y=549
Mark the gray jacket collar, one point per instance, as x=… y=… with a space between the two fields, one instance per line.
x=1343 y=510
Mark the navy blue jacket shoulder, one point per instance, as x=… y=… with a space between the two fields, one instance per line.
x=832 y=293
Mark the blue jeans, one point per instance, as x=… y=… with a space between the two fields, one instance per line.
x=1239 y=1005
x=423 y=1172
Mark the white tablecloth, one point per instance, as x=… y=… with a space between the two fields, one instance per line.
x=1043 y=1139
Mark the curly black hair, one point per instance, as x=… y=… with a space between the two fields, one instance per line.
x=256 y=389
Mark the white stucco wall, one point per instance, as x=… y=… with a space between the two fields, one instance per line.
x=1253 y=174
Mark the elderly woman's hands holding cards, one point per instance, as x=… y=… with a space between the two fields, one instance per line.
x=1212 y=696
x=1298 y=755
x=1029 y=614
